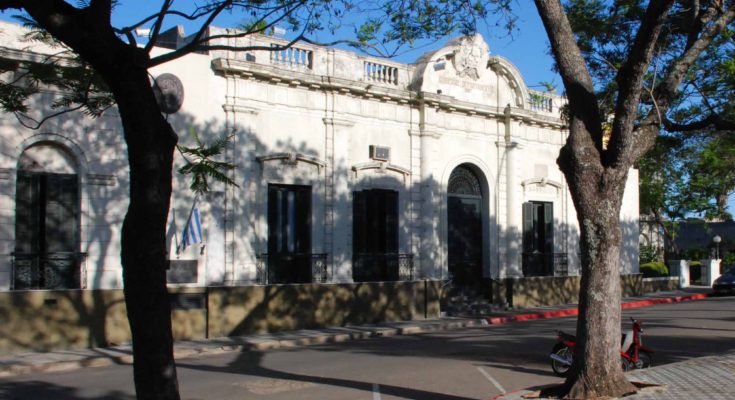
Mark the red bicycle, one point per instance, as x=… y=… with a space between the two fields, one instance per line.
x=633 y=354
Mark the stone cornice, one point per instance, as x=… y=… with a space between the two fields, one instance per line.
x=371 y=90
x=238 y=108
x=278 y=75
x=343 y=122
x=422 y=132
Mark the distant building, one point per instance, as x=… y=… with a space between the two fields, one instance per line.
x=696 y=239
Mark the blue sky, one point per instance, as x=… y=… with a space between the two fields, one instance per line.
x=527 y=47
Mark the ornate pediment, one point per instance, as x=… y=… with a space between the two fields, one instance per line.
x=471 y=57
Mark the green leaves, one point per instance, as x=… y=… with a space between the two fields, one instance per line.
x=689 y=176
x=201 y=163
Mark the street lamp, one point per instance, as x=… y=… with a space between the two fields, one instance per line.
x=717 y=239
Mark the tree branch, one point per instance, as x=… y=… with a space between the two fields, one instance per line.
x=153 y=38
x=713 y=120
x=630 y=82
x=583 y=106
x=665 y=93
x=101 y=9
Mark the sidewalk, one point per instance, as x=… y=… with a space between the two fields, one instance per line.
x=710 y=378
x=65 y=360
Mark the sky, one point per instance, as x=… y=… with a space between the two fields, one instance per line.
x=527 y=47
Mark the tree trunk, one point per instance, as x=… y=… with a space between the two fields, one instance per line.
x=597 y=193
x=151 y=142
x=599 y=365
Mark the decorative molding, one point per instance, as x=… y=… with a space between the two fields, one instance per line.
x=347 y=123
x=512 y=145
x=541 y=185
x=382 y=166
x=430 y=133
x=292 y=159
x=6 y=174
x=236 y=108
x=101 y=180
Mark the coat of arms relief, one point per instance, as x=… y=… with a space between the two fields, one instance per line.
x=470 y=59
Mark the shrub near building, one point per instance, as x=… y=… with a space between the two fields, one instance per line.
x=654 y=269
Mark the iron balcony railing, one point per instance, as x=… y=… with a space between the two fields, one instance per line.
x=53 y=270
x=291 y=268
x=545 y=264
x=371 y=267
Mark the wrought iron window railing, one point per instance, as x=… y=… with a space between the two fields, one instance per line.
x=370 y=267
x=292 y=268
x=54 y=270
x=545 y=264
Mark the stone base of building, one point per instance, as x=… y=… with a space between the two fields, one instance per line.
x=69 y=319
x=552 y=290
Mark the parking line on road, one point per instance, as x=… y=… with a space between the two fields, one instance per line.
x=376 y=391
x=491 y=379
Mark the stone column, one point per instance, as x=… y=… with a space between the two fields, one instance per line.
x=338 y=200
x=240 y=121
x=432 y=263
x=513 y=234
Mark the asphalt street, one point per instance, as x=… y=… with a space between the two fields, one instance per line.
x=462 y=364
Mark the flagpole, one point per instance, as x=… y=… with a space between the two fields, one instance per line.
x=176 y=232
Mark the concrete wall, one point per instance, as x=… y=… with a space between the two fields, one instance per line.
x=662 y=284
x=48 y=320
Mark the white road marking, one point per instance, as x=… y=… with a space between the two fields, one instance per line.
x=376 y=391
x=491 y=379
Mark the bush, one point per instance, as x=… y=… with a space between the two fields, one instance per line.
x=654 y=269
x=696 y=253
x=647 y=253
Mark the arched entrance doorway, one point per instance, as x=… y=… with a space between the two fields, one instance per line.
x=464 y=226
x=46 y=252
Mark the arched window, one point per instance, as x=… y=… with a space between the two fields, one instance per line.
x=46 y=220
x=464 y=182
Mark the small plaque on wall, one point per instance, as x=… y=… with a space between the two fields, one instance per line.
x=182 y=271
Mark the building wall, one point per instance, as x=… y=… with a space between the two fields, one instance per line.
x=312 y=123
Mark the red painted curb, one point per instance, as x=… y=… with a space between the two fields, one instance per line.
x=573 y=311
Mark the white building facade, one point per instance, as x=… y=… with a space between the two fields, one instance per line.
x=349 y=169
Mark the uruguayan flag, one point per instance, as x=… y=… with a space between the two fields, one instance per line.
x=193 y=230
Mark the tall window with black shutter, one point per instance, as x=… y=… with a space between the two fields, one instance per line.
x=46 y=231
x=289 y=234
x=538 y=238
x=375 y=235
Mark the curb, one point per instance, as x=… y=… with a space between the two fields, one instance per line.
x=568 y=312
x=188 y=349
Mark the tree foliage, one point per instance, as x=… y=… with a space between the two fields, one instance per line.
x=686 y=172
x=626 y=67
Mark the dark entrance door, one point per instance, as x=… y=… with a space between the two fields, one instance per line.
x=375 y=235
x=46 y=231
x=465 y=240
x=464 y=227
x=289 y=234
x=538 y=238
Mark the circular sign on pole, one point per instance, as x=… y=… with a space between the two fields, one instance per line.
x=169 y=93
